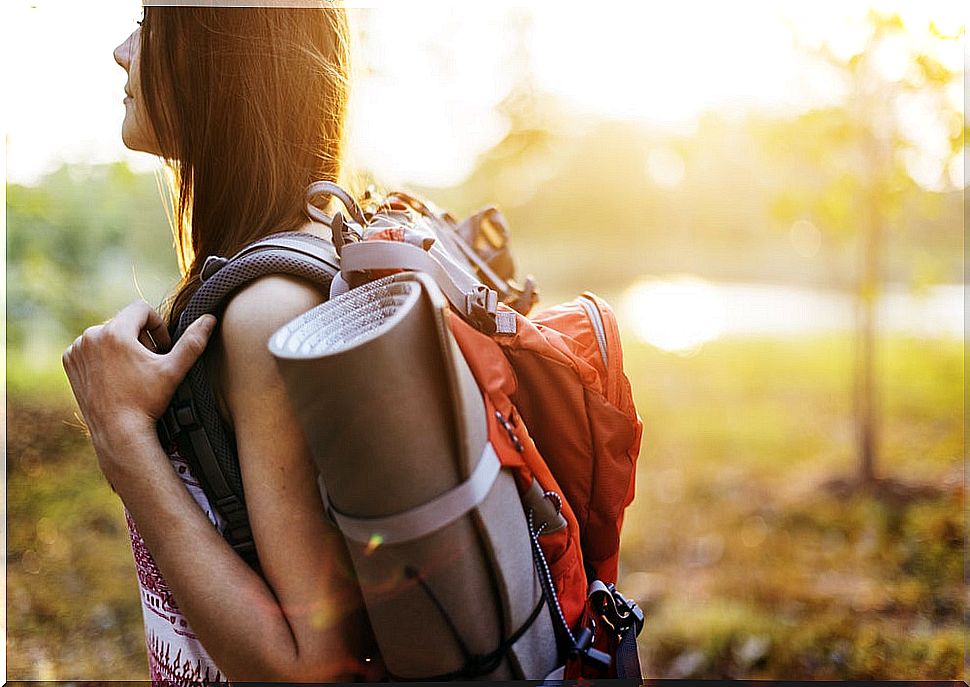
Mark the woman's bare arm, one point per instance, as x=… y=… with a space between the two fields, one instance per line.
x=303 y=622
x=302 y=555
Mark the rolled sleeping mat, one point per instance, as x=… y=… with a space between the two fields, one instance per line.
x=436 y=531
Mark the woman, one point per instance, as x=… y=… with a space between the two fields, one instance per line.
x=246 y=106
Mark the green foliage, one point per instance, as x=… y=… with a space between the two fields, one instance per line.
x=869 y=166
x=857 y=148
x=72 y=598
x=37 y=380
x=77 y=243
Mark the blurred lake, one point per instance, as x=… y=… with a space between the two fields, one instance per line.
x=683 y=312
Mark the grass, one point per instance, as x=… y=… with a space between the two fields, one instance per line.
x=748 y=567
x=745 y=564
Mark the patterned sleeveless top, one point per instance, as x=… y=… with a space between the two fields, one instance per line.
x=176 y=657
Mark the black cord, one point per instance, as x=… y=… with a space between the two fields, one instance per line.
x=476 y=665
x=413 y=573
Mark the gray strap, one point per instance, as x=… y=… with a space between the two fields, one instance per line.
x=310 y=245
x=304 y=255
x=422 y=520
x=458 y=286
x=388 y=255
x=597 y=587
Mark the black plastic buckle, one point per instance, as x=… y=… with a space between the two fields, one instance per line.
x=240 y=535
x=583 y=649
x=178 y=418
x=637 y=613
x=621 y=613
x=167 y=428
x=245 y=547
x=230 y=506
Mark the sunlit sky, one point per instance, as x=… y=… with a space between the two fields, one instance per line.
x=429 y=73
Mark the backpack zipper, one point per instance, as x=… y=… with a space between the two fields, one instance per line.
x=598 y=327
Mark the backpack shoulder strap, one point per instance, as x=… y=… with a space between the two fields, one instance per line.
x=299 y=254
x=192 y=421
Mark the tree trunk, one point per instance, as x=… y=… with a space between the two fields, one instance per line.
x=866 y=391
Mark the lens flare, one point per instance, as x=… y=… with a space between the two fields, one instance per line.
x=372 y=543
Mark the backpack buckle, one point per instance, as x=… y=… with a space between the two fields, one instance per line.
x=230 y=507
x=583 y=649
x=212 y=264
x=480 y=306
x=167 y=427
x=245 y=548
x=185 y=415
x=616 y=610
x=179 y=417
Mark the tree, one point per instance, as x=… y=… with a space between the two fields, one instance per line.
x=895 y=134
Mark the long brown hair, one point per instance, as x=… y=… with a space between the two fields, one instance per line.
x=248 y=107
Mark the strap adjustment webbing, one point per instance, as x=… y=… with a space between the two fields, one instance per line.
x=422 y=520
x=472 y=300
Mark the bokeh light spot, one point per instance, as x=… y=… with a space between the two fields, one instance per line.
x=665 y=167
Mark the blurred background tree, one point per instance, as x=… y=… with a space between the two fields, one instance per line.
x=894 y=136
x=81 y=245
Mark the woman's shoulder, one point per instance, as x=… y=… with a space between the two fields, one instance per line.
x=267 y=303
x=240 y=360
x=262 y=306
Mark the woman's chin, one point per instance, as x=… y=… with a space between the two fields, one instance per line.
x=137 y=143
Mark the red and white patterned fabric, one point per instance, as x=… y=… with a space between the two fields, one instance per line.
x=176 y=657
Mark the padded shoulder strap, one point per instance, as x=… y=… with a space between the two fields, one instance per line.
x=300 y=254
x=192 y=420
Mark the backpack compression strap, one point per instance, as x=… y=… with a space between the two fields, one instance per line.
x=192 y=420
x=475 y=302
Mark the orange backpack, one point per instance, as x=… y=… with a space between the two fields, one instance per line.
x=561 y=411
x=561 y=415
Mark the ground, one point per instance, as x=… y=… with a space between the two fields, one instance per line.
x=746 y=559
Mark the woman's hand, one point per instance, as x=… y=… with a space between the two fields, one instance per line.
x=124 y=375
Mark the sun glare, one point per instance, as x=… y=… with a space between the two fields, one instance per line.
x=677 y=315
x=430 y=75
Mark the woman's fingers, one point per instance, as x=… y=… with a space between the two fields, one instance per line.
x=190 y=346
x=140 y=321
x=69 y=358
x=148 y=340
x=139 y=316
x=69 y=353
x=158 y=332
x=122 y=370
